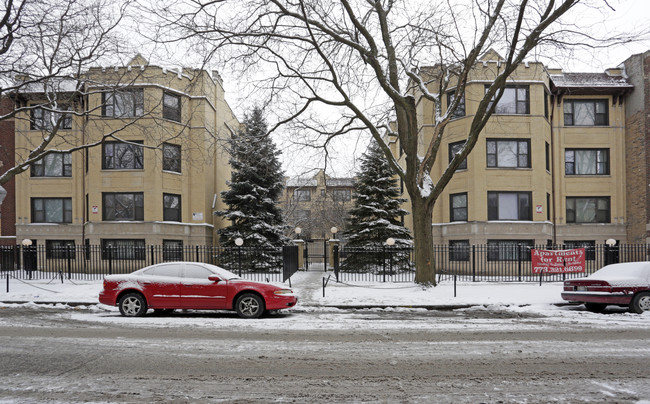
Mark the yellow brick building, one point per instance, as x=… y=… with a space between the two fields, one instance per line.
x=156 y=181
x=549 y=167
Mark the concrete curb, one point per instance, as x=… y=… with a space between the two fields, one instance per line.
x=448 y=307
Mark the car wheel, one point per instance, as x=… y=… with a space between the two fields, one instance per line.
x=133 y=305
x=249 y=306
x=595 y=307
x=640 y=303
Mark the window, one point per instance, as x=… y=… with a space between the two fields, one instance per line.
x=460 y=110
x=195 y=271
x=459 y=250
x=171 y=207
x=454 y=148
x=60 y=249
x=123 y=206
x=509 y=206
x=51 y=210
x=123 y=103
x=171 y=106
x=509 y=250
x=589 y=246
x=123 y=249
x=302 y=195
x=514 y=100
x=123 y=156
x=171 y=157
x=172 y=250
x=504 y=153
x=547 y=154
x=586 y=161
x=169 y=270
x=587 y=209
x=341 y=195
x=43 y=119
x=545 y=104
x=548 y=206
x=586 y=113
x=458 y=203
x=53 y=165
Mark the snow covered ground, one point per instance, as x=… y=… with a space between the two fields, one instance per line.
x=484 y=301
x=309 y=287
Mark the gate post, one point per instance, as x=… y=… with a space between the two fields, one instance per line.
x=330 y=255
x=301 y=253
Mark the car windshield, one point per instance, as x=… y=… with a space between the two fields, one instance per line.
x=626 y=270
x=223 y=273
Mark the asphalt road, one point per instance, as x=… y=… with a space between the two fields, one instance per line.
x=49 y=356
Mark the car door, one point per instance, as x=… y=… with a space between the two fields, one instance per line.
x=198 y=292
x=161 y=285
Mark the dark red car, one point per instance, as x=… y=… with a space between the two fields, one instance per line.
x=191 y=285
x=626 y=284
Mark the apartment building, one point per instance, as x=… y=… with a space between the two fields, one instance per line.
x=549 y=167
x=316 y=204
x=156 y=180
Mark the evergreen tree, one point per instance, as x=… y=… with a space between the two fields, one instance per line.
x=375 y=217
x=256 y=186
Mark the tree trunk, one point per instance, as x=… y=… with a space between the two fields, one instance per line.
x=425 y=271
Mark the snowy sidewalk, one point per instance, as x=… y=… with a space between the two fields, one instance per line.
x=309 y=288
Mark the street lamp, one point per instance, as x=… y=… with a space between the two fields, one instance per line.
x=239 y=242
x=334 y=230
x=298 y=230
x=610 y=257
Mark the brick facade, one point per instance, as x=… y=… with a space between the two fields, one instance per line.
x=7 y=160
x=637 y=148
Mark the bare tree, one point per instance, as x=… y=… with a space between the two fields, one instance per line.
x=346 y=66
x=46 y=49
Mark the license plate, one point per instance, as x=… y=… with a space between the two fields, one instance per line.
x=581 y=288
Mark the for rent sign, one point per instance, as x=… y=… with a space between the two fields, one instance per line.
x=558 y=262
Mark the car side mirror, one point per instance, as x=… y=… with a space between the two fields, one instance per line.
x=214 y=278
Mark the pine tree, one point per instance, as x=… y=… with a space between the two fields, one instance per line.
x=375 y=218
x=256 y=186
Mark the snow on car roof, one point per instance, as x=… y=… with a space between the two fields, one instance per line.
x=625 y=270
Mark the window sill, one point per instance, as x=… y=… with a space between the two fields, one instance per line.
x=510 y=168
x=172 y=172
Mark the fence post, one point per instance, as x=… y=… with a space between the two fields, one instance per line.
x=153 y=255
x=519 y=260
x=336 y=262
x=69 y=257
x=197 y=254
x=110 y=259
x=473 y=262
x=239 y=258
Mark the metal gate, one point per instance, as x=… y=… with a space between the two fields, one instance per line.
x=316 y=255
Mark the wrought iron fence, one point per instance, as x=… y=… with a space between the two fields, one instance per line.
x=94 y=261
x=486 y=262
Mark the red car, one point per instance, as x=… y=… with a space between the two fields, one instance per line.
x=625 y=284
x=191 y=285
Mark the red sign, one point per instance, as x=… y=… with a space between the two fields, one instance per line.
x=558 y=261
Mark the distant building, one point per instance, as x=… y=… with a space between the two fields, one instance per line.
x=157 y=181
x=316 y=204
